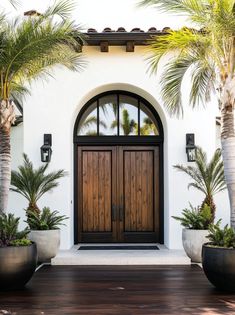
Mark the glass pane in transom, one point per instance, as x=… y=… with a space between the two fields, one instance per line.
x=148 y=124
x=108 y=115
x=88 y=123
x=128 y=112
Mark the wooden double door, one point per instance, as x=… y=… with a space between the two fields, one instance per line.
x=118 y=194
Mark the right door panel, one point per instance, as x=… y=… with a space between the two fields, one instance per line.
x=138 y=186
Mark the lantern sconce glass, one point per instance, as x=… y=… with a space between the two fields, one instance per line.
x=190 y=147
x=46 y=150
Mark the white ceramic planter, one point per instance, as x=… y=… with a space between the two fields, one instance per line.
x=192 y=243
x=47 y=242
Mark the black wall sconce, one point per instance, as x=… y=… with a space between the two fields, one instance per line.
x=190 y=147
x=46 y=150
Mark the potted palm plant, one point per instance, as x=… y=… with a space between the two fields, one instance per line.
x=195 y=222
x=33 y=183
x=208 y=177
x=218 y=257
x=18 y=255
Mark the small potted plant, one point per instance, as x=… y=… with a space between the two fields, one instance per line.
x=196 y=222
x=18 y=255
x=218 y=257
x=33 y=183
x=45 y=232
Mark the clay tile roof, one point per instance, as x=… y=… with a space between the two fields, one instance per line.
x=136 y=29
x=121 y=29
x=32 y=13
x=166 y=29
x=152 y=30
x=107 y=30
x=91 y=30
x=121 y=37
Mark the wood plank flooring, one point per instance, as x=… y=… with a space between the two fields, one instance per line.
x=118 y=290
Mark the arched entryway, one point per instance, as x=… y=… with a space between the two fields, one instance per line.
x=118 y=170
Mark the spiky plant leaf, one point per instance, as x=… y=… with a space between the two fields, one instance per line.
x=46 y=220
x=32 y=183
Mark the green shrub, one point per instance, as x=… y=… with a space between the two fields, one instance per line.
x=21 y=242
x=195 y=218
x=221 y=237
x=45 y=220
x=9 y=230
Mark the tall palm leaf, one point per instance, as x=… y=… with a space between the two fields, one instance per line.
x=148 y=127
x=208 y=54
x=127 y=125
x=33 y=183
x=208 y=177
x=30 y=48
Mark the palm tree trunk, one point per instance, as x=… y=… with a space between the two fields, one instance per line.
x=209 y=201
x=228 y=146
x=5 y=168
x=7 y=118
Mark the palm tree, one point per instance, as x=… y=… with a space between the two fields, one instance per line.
x=90 y=122
x=33 y=183
x=29 y=50
x=148 y=127
x=208 y=53
x=127 y=124
x=208 y=177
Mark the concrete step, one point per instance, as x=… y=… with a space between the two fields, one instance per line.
x=163 y=256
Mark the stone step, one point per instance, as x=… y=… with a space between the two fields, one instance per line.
x=163 y=256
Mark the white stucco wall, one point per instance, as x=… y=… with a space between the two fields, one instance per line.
x=54 y=105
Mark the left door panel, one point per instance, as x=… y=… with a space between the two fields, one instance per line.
x=96 y=194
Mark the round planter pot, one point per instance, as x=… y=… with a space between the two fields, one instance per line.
x=219 y=266
x=47 y=241
x=192 y=243
x=17 y=265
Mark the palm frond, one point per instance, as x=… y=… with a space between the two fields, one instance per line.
x=203 y=80
x=32 y=183
x=174 y=42
x=208 y=177
x=62 y=8
x=171 y=83
x=15 y=3
x=31 y=47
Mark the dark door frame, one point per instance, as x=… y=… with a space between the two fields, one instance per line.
x=123 y=141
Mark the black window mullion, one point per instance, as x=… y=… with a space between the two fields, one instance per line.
x=98 y=117
x=138 y=117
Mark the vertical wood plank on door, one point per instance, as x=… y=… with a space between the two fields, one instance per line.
x=108 y=190
x=101 y=195
x=95 y=164
x=149 y=191
x=133 y=191
x=84 y=192
x=90 y=224
x=127 y=189
x=144 y=176
x=139 y=191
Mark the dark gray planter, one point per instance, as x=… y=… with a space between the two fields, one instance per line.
x=17 y=265
x=219 y=266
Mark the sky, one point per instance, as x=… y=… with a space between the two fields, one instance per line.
x=99 y=14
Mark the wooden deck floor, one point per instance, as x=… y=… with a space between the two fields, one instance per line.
x=118 y=290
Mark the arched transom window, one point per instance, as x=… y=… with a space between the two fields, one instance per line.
x=117 y=114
